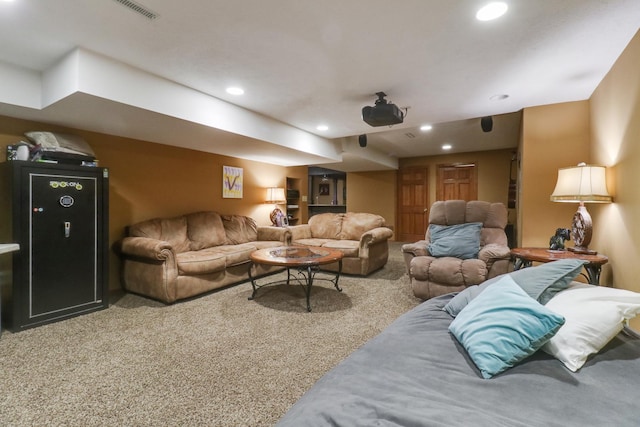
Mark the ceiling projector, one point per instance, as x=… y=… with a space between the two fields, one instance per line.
x=383 y=113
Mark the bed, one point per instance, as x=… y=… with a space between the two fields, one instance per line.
x=416 y=373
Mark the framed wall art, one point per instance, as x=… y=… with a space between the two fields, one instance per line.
x=323 y=189
x=231 y=182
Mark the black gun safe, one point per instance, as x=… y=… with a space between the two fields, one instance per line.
x=59 y=216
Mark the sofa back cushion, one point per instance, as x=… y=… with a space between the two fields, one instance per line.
x=239 y=229
x=205 y=230
x=343 y=226
x=354 y=225
x=326 y=225
x=172 y=230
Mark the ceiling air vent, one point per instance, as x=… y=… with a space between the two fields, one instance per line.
x=138 y=8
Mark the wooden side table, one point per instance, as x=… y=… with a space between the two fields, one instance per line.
x=524 y=257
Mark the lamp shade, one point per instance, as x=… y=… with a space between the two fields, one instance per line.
x=582 y=183
x=275 y=195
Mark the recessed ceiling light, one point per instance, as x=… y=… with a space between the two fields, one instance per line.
x=446 y=147
x=425 y=128
x=235 y=91
x=492 y=11
x=498 y=97
x=322 y=127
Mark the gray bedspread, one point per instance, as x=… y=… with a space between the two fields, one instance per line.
x=415 y=373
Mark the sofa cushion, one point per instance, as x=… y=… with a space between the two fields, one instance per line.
x=205 y=230
x=236 y=254
x=495 y=236
x=172 y=230
x=491 y=215
x=239 y=229
x=203 y=261
x=354 y=225
x=262 y=244
x=312 y=242
x=452 y=271
x=326 y=225
x=448 y=212
x=349 y=248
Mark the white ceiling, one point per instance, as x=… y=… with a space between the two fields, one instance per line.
x=97 y=65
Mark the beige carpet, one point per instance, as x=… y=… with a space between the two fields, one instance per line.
x=217 y=360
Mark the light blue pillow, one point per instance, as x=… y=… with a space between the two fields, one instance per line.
x=459 y=241
x=503 y=326
x=541 y=282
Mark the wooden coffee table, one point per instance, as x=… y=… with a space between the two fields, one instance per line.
x=304 y=260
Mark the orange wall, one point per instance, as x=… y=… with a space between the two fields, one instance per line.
x=152 y=180
x=373 y=192
x=492 y=168
x=615 y=143
x=553 y=136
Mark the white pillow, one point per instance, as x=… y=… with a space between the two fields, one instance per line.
x=593 y=316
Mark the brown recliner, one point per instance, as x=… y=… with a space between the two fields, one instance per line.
x=433 y=276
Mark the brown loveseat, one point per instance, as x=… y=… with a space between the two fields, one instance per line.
x=169 y=259
x=432 y=276
x=362 y=238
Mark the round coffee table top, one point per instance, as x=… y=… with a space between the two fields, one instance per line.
x=296 y=256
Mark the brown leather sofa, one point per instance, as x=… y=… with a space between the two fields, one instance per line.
x=362 y=238
x=432 y=276
x=169 y=259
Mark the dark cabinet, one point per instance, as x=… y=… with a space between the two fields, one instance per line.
x=59 y=216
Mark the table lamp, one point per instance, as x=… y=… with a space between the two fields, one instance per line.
x=582 y=184
x=276 y=196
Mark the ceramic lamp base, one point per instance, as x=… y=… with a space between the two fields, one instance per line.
x=276 y=216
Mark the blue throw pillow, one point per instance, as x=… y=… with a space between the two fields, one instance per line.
x=541 y=283
x=459 y=241
x=503 y=326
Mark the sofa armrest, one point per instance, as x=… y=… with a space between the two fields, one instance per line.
x=375 y=235
x=302 y=231
x=495 y=255
x=272 y=233
x=146 y=248
x=493 y=252
x=415 y=249
x=149 y=268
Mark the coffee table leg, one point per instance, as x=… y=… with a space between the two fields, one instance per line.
x=335 y=280
x=307 y=288
x=253 y=283
x=305 y=278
